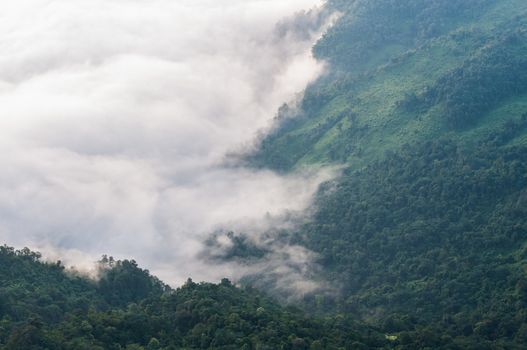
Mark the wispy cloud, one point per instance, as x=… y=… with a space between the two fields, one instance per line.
x=117 y=115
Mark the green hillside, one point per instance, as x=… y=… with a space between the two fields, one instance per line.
x=433 y=238
x=425 y=233
x=43 y=306
x=406 y=71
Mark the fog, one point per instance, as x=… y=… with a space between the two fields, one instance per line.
x=117 y=117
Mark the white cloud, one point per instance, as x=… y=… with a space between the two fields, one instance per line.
x=116 y=116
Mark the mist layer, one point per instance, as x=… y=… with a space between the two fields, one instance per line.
x=117 y=117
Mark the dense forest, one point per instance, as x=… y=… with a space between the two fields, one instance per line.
x=432 y=241
x=394 y=81
x=425 y=232
x=45 y=306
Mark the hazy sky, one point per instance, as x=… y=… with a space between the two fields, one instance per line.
x=116 y=116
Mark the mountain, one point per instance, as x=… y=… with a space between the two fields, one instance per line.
x=45 y=306
x=421 y=240
x=402 y=72
x=425 y=105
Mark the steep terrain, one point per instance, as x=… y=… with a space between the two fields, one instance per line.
x=406 y=71
x=425 y=233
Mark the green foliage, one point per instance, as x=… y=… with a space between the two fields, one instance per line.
x=130 y=309
x=431 y=242
x=495 y=73
x=426 y=231
x=371 y=32
x=403 y=72
x=27 y=288
x=123 y=282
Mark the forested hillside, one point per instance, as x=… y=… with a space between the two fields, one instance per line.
x=44 y=306
x=405 y=71
x=425 y=233
x=432 y=239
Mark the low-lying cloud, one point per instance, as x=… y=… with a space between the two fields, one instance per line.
x=117 y=116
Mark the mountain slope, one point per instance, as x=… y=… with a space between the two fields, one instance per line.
x=434 y=236
x=424 y=234
x=404 y=74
